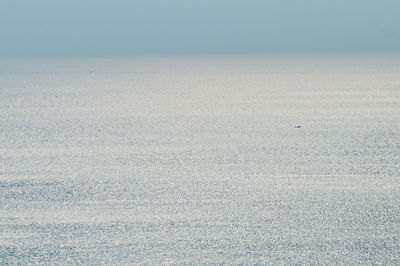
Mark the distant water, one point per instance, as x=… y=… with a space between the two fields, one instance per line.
x=257 y=159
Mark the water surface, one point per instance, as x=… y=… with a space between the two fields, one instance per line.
x=246 y=159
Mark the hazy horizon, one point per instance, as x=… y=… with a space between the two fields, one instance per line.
x=129 y=28
x=199 y=132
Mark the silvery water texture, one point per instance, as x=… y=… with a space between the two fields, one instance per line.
x=200 y=160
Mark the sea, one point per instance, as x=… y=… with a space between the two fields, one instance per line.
x=217 y=159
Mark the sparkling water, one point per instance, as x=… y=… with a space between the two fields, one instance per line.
x=198 y=160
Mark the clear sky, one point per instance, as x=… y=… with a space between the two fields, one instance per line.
x=151 y=27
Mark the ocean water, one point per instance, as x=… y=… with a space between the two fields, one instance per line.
x=200 y=160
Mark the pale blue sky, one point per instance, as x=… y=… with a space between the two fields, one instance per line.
x=151 y=27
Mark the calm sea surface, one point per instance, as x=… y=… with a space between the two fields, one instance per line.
x=246 y=159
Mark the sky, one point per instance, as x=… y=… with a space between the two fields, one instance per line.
x=152 y=27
